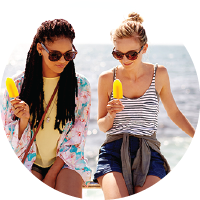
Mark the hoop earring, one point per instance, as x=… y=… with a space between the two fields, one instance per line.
x=40 y=54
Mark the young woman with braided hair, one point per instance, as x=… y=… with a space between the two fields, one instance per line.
x=130 y=159
x=57 y=155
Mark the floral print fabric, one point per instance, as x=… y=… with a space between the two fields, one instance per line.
x=72 y=140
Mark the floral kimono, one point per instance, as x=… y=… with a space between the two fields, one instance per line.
x=71 y=143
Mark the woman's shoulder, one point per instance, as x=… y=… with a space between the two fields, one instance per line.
x=162 y=78
x=151 y=66
x=107 y=75
x=82 y=80
x=161 y=71
x=18 y=78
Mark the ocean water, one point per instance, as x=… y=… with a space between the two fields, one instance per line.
x=94 y=59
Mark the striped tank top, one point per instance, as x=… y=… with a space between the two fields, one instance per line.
x=140 y=115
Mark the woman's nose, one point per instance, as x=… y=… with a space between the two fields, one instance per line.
x=62 y=59
x=125 y=59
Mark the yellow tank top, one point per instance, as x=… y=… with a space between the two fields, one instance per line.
x=47 y=138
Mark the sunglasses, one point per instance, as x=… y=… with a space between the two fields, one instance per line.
x=131 y=55
x=56 y=55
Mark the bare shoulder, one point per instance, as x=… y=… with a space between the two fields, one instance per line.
x=106 y=77
x=161 y=73
x=162 y=78
x=161 y=70
x=105 y=82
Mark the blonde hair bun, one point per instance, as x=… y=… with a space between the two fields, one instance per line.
x=135 y=17
x=131 y=27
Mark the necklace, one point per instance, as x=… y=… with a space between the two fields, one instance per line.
x=48 y=116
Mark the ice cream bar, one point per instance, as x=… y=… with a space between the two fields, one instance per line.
x=11 y=87
x=117 y=89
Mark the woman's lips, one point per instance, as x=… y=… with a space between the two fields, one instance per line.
x=60 y=66
x=127 y=64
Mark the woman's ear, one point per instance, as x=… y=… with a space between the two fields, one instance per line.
x=145 y=48
x=39 y=48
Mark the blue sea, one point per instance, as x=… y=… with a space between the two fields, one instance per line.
x=93 y=59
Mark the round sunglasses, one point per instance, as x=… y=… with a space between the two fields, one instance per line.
x=56 y=55
x=131 y=55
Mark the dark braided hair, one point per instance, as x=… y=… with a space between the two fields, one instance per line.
x=32 y=88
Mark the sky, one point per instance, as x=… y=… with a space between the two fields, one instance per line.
x=171 y=22
x=166 y=22
x=93 y=20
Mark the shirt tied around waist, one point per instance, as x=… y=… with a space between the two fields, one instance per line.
x=140 y=166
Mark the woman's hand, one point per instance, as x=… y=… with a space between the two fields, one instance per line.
x=106 y=122
x=20 y=109
x=107 y=109
x=114 y=107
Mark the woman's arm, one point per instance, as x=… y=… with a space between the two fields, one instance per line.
x=163 y=88
x=106 y=109
x=18 y=141
x=72 y=142
x=21 y=110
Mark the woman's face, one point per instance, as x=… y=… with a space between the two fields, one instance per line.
x=52 y=69
x=128 y=44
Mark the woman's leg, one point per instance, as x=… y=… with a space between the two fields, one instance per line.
x=150 y=180
x=69 y=182
x=37 y=174
x=113 y=185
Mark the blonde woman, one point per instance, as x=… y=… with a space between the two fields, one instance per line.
x=130 y=159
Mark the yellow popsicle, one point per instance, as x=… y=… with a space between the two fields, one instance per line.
x=11 y=87
x=117 y=89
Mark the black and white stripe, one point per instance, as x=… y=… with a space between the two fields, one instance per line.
x=140 y=116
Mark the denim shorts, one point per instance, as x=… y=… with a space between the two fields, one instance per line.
x=110 y=159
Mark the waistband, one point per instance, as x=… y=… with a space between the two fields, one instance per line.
x=141 y=163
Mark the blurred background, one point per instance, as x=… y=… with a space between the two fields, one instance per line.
x=93 y=59
x=172 y=32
